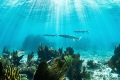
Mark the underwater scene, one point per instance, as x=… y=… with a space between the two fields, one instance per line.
x=59 y=39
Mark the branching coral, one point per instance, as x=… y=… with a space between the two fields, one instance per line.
x=114 y=62
x=41 y=53
x=57 y=69
x=75 y=70
x=12 y=73
x=29 y=59
x=15 y=59
x=46 y=54
x=29 y=67
x=60 y=50
x=54 y=72
x=117 y=50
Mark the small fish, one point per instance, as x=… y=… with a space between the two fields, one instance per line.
x=53 y=35
x=70 y=37
x=81 y=31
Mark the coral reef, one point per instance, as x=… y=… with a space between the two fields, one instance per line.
x=55 y=72
x=114 y=62
x=50 y=67
x=29 y=67
x=11 y=57
x=45 y=54
x=10 y=73
x=75 y=69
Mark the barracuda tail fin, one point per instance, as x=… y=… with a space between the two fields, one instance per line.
x=88 y=31
x=79 y=38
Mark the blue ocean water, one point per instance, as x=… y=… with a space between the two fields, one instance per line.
x=24 y=22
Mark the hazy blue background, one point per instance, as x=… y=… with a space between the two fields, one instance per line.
x=23 y=23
